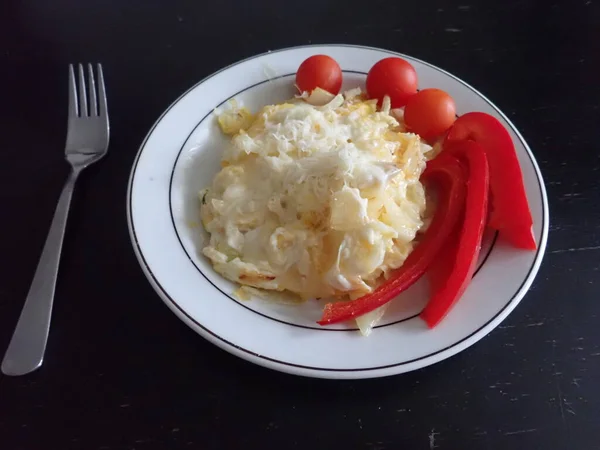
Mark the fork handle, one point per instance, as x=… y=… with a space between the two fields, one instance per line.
x=26 y=349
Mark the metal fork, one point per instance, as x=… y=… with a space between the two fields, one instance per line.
x=87 y=142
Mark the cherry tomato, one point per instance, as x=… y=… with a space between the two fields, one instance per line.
x=429 y=113
x=393 y=77
x=319 y=71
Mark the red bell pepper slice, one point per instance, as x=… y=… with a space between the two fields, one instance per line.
x=450 y=176
x=443 y=265
x=510 y=211
x=470 y=231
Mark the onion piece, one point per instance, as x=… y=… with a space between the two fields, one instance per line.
x=366 y=322
x=319 y=97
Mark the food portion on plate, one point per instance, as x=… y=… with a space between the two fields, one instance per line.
x=349 y=198
x=318 y=200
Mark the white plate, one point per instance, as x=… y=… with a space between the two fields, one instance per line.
x=181 y=154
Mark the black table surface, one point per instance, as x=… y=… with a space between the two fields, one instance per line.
x=122 y=372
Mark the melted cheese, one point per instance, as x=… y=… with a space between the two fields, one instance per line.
x=318 y=200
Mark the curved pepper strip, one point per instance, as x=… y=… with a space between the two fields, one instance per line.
x=470 y=231
x=510 y=213
x=450 y=176
x=441 y=268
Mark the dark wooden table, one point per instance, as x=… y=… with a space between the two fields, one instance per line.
x=122 y=372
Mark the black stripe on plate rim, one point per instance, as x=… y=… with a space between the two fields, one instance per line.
x=316 y=328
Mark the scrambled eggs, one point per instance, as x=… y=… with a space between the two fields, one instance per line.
x=319 y=200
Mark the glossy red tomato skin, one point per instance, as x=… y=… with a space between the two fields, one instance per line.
x=393 y=77
x=430 y=113
x=319 y=71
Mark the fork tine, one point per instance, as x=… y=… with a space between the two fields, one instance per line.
x=102 y=106
x=93 y=103
x=73 y=110
x=83 y=109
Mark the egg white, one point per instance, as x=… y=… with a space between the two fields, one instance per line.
x=322 y=201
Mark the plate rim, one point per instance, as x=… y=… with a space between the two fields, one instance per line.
x=353 y=373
